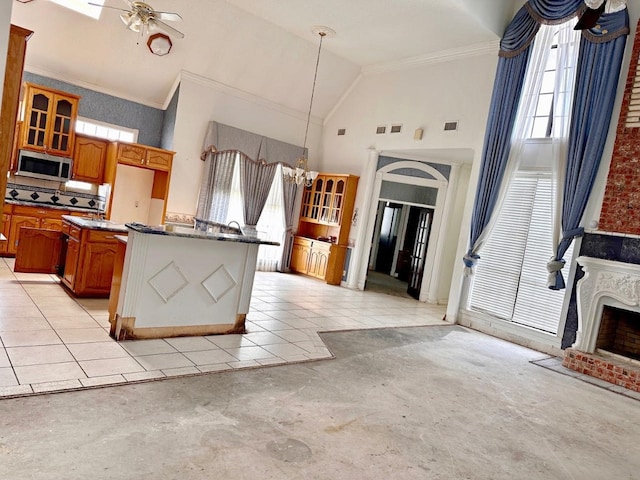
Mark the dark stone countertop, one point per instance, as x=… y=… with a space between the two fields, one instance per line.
x=105 y=225
x=175 y=231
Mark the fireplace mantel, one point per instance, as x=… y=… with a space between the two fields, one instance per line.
x=606 y=282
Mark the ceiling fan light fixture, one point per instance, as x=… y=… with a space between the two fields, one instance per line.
x=159 y=44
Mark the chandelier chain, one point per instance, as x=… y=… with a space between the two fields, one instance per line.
x=313 y=89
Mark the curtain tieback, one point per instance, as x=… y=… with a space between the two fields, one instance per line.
x=554 y=266
x=573 y=233
x=470 y=259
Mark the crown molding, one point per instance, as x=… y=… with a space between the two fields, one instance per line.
x=249 y=97
x=90 y=86
x=440 y=57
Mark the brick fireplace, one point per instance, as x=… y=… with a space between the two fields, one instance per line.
x=608 y=336
x=602 y=331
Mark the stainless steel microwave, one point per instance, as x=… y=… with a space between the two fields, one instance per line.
x=42 y=165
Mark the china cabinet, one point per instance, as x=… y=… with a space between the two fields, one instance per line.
x=319 y=249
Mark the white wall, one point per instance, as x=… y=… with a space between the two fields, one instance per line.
x=201 y=101
x=421 y=97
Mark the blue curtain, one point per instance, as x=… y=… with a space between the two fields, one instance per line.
x=599 y=63
x=515 y=49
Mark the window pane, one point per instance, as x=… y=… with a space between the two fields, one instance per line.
x=539 y=129
x=544 y=105
x=548 y=82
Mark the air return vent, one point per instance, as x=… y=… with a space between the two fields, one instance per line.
x=342 y=131
x=381 y=130
x=396 y=128
x=450 y=126
x=633 y=114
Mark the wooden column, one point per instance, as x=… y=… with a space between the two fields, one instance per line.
x=18 y=37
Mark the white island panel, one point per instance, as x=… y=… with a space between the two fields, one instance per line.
x=184 y=285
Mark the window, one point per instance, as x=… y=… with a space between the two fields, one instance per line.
x=106 y=130
x=81 y=6
x=565 y=54
x=271 y=222
x=510 y=280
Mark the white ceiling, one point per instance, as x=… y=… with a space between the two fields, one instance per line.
x=261 y=47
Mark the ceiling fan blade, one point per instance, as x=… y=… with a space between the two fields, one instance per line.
x=107 y=6
x=167 y=28
x=170 y=16
x=590 y=17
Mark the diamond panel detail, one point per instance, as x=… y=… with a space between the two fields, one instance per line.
x=219 y=283
x=168 y=282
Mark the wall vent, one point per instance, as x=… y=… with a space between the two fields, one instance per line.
x=381 y=130
x=396 y=128
x=450 y=126
x=342 y=131
x=633 y=113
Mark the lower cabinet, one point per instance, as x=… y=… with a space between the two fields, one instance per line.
x=83 y=257
x=89 y=261
x=318 y=259
x=71 y=262
x=6 y=226
x=30 y=217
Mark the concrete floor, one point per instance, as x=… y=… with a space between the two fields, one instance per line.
x=439 y=402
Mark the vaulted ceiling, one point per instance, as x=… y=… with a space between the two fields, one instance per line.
x=261 y=47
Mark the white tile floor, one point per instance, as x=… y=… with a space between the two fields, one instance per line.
x=51 y=341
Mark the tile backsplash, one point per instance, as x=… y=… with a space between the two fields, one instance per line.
x=41 y=195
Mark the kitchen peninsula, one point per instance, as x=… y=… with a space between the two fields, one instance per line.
x=179 y=281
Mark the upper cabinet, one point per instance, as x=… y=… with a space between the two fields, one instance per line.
x=143 y=156
x=327 y=207
x=89 y=157
x=48 y=120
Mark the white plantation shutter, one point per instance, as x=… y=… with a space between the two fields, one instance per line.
x=510 y=279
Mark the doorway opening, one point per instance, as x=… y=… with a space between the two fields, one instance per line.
x=399 y=248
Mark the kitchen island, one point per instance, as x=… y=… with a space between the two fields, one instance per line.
x=180 y=281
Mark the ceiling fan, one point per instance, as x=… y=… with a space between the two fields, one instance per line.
x=141 y=17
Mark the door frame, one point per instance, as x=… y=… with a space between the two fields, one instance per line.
x=428 y=290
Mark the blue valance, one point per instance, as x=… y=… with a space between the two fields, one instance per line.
x=526 y=23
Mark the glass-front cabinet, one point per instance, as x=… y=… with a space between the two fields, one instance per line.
x=48 y=119
x=323 y=230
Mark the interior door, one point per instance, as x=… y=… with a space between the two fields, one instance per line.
x=388 y=237
x=419 y=252
x=39 y=251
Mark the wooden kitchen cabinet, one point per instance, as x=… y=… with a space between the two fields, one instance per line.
x=87 y=255
x=142 y=156
x=89 y=158
x=320 y=247
x=17 y=222
x=150 y=158
x=89 y=260
x=158 y=159
x=6 y=226
x=310 y=257
x=48 y=118
x=31 y=217
x=71 y=262
x=300 y=254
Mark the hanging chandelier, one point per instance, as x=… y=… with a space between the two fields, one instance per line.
x=301 y=174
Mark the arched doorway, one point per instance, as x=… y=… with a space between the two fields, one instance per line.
x=398 y=182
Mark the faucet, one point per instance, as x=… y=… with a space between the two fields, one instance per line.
x=233 y=221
